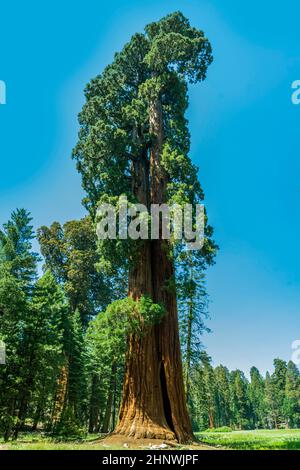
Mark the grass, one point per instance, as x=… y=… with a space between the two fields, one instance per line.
x=279 y=439
x=284 y=439
x=39 y=441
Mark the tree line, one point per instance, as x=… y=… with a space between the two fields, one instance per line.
x=222 y=398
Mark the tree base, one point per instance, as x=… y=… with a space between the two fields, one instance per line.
x=141 y=429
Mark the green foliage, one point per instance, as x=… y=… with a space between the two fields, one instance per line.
x=223 y=396
x=127 y=316
x=240 y=403
x=291 y=402
x=115 y=137
x=256 y=394
x=176 y=45
x=16 y=247
x=275 y=394
x=203 y=394
x=31 y=317
x=70 y=253
x=229 y=399
x=106 y=342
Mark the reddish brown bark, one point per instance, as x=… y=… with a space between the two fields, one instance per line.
x=211 y=420
x=153 y=399
x=61 y=394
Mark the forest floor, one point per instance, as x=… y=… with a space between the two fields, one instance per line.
x=38 y=441
x=284 y=439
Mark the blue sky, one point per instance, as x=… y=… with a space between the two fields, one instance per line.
x=244 y=139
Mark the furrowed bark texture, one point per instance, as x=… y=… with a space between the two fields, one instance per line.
x=61 y=394
x=153 y=401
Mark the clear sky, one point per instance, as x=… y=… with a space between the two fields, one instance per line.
x=245 y=139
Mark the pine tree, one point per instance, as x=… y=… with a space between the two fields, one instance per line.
x=16 y=248
x=31 y=313
x=240 y=403
x=223 y=396
x=41 y=349
x=269 y=399
x=193 y=310
x=256 y=397
x=278 y=380
x=291 y=404
x=12 y=306
x=18 y=265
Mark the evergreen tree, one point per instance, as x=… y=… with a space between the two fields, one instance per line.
x=240 y=404
x=106 y=344
x=134 y=141
x=203 y=394
x=70 y=253
x=256 y=397
x=270 y=402
x=13 y=304
x=223 y=396
x=18 y=266
x=16 y=248
x=291 y=404
x=278 y=380
x=31 y=313
x=193 y=310
x=41 y=349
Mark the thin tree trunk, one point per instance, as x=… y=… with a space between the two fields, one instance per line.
x=211 y=420
x=11 y=412
x=21 y=416
x=37 y=416
x=109 y=403
x=40 y=405
x=94 y=405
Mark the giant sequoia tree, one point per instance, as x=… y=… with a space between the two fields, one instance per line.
x=134 y=141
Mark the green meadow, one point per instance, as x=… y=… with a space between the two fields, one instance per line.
x=276 y=439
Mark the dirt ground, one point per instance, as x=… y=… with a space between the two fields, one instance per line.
x=117 y=441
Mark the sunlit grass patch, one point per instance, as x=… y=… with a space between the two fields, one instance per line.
x=284 y=439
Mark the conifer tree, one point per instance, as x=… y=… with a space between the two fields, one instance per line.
x=256 y=397
x=240 y=402
x=134 y=141
x=291 y=403
x=223 y=396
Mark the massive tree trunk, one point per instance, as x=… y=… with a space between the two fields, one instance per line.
x=153 y=400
